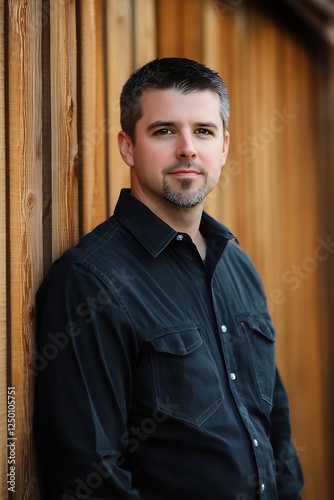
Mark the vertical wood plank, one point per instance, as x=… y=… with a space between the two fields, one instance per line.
x=328 y=180
x=47 y=138
x=25 y=219
x=94 y=124
x=120 y=65
x=191 y=34
x=63 y=57
x=180 y=28
x=144 y=46
x=3 y=273
x=169 y=28
x=217 y=33
x=329 y=123
x=300 y=277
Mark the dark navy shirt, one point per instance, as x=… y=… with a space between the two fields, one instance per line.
x=155 y=371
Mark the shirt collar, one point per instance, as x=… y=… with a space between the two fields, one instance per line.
x=153 y=233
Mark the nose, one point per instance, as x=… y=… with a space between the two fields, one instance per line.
x=185 y=148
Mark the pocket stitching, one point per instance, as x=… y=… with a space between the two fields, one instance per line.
x=248 y=321
x=157 y=380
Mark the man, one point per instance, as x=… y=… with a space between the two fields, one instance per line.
x=156 y=375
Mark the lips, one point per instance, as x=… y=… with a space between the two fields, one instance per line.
x=184 y=169
x=191 y=173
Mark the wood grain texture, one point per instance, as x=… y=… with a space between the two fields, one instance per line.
x=300 y=266
x=144 y=46
x=25 y=219
x=275 y=192
x=180 y=28
x=64 y=109
x=3 y=273
x=120 y=64
x=94 y=124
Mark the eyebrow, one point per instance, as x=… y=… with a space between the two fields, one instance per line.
x=162 y=123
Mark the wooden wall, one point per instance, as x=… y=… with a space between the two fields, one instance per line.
x=63 y=63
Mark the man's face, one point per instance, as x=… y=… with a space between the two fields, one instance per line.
x=179 y=149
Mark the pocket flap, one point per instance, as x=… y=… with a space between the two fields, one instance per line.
x=261 y=323
x=180 y=343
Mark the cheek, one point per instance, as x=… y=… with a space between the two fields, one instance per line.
x=217 y=162
x=214 y=176
x=155 y=156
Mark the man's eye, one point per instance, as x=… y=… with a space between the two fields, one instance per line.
x=204 y=131
x=163 y=131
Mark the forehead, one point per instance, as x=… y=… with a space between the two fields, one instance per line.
x=171 y=104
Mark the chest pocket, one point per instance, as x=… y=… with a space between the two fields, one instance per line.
x=186 y=380
x=260 y=336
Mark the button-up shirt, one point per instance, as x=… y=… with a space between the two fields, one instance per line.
x=155 y=370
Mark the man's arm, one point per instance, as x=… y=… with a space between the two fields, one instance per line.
x=289 y=477
x=86 y=351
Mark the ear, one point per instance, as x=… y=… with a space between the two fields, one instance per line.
x=226 y=146
x=125 y=148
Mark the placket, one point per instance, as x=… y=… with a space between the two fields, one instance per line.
x=225 y=324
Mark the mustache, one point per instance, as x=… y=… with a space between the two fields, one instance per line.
x=184 y=165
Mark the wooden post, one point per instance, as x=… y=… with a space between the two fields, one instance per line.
x=25 y=225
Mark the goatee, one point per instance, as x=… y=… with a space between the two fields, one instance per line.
x=184 y=196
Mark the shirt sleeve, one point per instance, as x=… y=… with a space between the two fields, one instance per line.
x=86 y=351
x=289 y=477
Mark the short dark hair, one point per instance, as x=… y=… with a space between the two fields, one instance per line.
x=184 y=75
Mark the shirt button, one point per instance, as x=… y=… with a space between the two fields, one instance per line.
x=224 y=328
x=263 y=487
x=256 y=443
x=233 y=376
x=179 y=237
